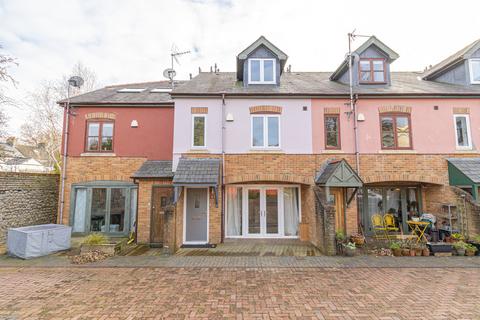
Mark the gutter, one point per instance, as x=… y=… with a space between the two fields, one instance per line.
x=334 y=96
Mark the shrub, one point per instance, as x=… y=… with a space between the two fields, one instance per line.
x=95 y=238
x=460 y=245
x=339 y=235
x=395 y=245
x=470 y=247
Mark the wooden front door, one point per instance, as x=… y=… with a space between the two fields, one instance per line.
x=161 y=197
x=339 y=209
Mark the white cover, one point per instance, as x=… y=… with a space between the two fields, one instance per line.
x=35 y=241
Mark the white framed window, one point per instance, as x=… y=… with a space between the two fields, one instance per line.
x=265 y=131
x=261 y=71
x=199 y=131
x=463 y=138
x=474 y=71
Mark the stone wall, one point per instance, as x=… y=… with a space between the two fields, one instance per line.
x=27 y=199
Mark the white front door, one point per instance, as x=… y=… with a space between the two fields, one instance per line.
x=263 y=211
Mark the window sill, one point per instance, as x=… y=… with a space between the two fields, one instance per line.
x=266 y=151
x=466 y=151
x=97 y=154
x=199 y=150
x=398 y=151
x=333 y=151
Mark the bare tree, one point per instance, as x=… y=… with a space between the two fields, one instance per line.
x=45 y=121
x=5 y=78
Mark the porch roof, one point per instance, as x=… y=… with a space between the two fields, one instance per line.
x=467 y=171
x=338 y=173
x=154 y=169
x=197 y=172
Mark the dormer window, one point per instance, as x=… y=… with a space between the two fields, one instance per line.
x=475 y=71
x=261 y=71
x=372 y=71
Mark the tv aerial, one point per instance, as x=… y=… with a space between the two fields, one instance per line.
x=170 y=73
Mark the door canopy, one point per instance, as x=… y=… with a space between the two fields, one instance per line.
x=337 y=173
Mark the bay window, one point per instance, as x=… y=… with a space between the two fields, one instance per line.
x=395 y=131
x=265 y=131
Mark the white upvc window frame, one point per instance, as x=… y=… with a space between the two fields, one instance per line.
x=470 y=68
x=204 y=116
x=262 y=76
x=265 y=131
x=469 y=133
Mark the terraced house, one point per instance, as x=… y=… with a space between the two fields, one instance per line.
x=265 y=152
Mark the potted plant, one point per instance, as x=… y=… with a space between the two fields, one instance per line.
x=457 y=237
x=358 y=239
x=475 y=241
x=425 y=251
x=339 y=239
x=412 y=250
x=459 y=247
x=350 y=249
x=396 y=248
x=405 y=249
x=418 y=249
x=98 y=242
x=470 y=249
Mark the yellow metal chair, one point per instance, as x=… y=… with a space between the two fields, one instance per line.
x=378 y=227
x=389 y=223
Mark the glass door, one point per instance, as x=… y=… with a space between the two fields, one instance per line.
x=263 y=211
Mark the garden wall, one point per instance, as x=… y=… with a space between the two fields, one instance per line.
x=27 y=199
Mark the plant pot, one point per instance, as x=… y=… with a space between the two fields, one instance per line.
x=397 y=252
x=412 y=252
x=425 y=252
x=477 y=245
x=470 y=253
x=460 y=252
x=405 y=252
x=358 y=240
x=418 y=252
x=349 y=252
x=108 y=248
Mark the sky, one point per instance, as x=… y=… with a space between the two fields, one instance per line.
x=127 y=41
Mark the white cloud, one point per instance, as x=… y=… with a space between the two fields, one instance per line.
x=130 y=41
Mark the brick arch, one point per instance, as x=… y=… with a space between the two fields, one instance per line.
x=101 y=115
x=402 y=177
x=269 y=177
x=266 y=109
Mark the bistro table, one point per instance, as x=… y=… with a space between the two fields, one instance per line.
x=418 y=229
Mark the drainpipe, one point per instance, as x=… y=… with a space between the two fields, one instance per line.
x=65 y=151
x=223 y=169
x=353 y=108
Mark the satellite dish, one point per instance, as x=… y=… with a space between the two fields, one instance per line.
x=169 y=73
x=75 y=81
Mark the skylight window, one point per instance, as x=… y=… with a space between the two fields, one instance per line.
x=160 y=90
x=131 y=90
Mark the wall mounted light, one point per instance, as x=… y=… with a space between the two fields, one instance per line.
x=229 y=117
x=134 y=124
x=360 y=117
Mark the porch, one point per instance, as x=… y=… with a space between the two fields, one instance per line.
x=255 y=248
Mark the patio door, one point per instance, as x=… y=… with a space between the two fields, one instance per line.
x=263 y=212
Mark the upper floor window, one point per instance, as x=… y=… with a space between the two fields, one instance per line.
x=266 y=131
x=199 y=124
x=99 y=136
x=475 y=71
x=396 y=131
x=372 y=71
x=332 y=131
x=261 y=71
x=462 y=131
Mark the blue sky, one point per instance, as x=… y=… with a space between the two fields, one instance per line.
x=130 y=41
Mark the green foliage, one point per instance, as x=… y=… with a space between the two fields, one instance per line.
x=477 y=238
x=339 y=235
x=395 y=245
x=458 y=236
x=470 y=247
x=350 y=246
x=460 y=245
x=95 y=238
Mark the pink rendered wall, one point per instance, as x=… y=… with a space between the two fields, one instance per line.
x=432 y=130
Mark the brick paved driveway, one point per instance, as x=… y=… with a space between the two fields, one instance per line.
x=241 y=293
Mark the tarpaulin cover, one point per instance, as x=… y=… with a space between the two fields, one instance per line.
x=35 y=241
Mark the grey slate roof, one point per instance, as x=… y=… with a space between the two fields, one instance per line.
x=326 y=171
x=155 y=169
x=318 y=84
x=468 y=166
x=197 y=172
x=262 y=41
x=452 y=60
x=110 y=94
